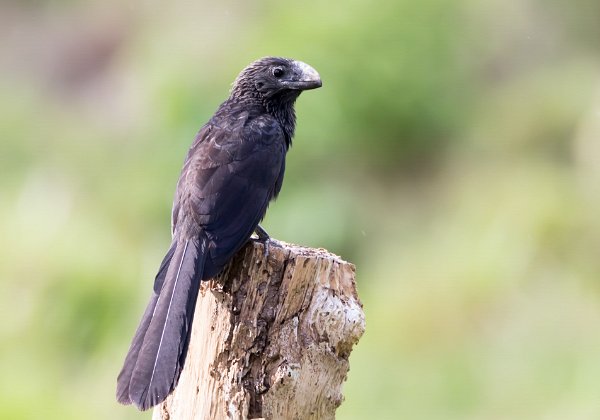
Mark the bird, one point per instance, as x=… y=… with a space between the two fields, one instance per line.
x=232 y=171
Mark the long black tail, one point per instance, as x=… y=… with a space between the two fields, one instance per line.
x=157 y=352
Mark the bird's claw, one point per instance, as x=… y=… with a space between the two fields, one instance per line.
x=263 y=237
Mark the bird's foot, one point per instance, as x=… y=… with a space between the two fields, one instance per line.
x=264 y=237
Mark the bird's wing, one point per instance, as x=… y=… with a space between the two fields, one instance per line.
x=229 y=178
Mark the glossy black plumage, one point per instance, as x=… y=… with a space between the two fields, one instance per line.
x=232 y=171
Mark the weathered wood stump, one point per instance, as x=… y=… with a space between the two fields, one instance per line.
x=271 y=338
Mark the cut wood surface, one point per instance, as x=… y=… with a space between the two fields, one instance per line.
x=271 y=338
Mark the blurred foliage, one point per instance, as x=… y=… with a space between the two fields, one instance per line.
x=452 y=154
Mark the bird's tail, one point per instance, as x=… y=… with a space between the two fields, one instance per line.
x=157 y=352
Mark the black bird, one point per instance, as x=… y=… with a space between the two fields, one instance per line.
x=232 y=171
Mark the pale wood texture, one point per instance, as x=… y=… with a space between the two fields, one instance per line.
x=271 y=338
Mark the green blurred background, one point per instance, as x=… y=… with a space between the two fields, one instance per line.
x=453 y=155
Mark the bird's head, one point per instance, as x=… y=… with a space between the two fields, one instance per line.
x=275 y=77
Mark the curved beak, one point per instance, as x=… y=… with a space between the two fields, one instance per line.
x=304 y=77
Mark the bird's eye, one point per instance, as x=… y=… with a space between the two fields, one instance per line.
x=278 y=72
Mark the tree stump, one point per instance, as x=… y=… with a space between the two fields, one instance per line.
x=271 y=338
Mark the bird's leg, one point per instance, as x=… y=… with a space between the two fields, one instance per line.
x=262 y=234
x=263 y=237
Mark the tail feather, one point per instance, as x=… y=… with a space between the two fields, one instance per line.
x=156 y=356
x=124 y=377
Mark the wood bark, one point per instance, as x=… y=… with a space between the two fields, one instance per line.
x=271 y=338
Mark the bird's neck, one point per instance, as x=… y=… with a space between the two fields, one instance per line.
x=281 y=107
x=286 y=116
